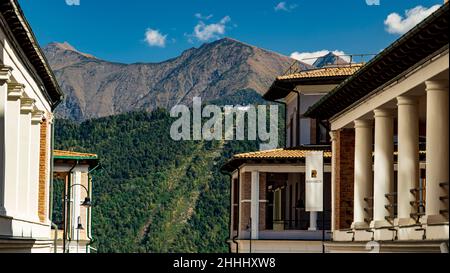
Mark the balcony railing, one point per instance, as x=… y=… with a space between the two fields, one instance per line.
x=336 y=61
x=418 y=204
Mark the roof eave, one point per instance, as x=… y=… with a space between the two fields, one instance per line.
x=40 y=67
x=317 y=111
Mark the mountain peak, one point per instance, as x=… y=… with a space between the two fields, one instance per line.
x=232 y=41
x=68 y=47
x=329 y=59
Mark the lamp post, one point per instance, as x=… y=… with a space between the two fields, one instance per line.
x=86 y=204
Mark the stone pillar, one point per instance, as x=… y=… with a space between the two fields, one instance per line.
x=5 y=74
x=254 y=213
x=36 y=120
x=363 y=171
x=408 y=157
x=437 y=149
x=383 y=165
x=333 y=136
x=27 y=106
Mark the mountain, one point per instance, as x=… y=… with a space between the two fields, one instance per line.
x=98 y=88
x=329 y=59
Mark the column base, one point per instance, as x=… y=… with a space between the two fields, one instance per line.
x=434 y=220
x=363 y=235
x=380 y=224
x=360 y=225
x=437 y=232
x=405 y=222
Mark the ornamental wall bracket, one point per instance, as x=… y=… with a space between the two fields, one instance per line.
x=37 y=117
x=5 y=74
x=15 y=91
x=27 y=105
x=50 y=118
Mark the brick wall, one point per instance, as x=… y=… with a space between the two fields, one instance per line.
x=43 y=170
x=344 y=174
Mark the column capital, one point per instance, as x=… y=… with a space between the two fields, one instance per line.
x=50 y=118
x=407 y=100
x=363 y=123
x=37 y=117
x=383 y=113
x=436 y=85
x=333 y=136
x=15 y=91
x=27 y=105
x=5 y=74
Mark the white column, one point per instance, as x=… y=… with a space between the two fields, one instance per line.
x=333 y=178
x=437 y=148
x=383 y=165
x=408 y=157
x=51 y=120
x=5 y=74
x=363 y=170
x=254 y=214
x=27 y=106
x=36 y=120
x=313 y=221
x=12 y=120
x=76 y=193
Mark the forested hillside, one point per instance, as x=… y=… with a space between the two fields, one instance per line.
x=154 y=194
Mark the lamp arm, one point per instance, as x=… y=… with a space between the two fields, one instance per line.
x=81 y=186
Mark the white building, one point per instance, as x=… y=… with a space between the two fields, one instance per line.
x=28 y=95
x=268 y=188
x=74 y=171
x=390 y=142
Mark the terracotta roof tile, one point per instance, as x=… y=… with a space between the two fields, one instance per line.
x=69 y=154
x=347 y=70
x=279 y=154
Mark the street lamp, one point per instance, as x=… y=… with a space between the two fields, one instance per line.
x=86 y=204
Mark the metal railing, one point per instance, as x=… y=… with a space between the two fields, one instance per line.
x=336 y=61
x=368 y=209
x=391 y=207
x=444 y=199
x=419 y=203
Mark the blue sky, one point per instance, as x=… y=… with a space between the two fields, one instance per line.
x=116 y=30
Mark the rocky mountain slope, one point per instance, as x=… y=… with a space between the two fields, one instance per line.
x=97 y=88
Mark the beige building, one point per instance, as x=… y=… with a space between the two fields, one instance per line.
x=73 y=171
x=390 y=142
x=268 y=187
x=28 y=95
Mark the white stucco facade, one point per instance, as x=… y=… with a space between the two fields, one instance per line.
x=24 y=167
x=419 y=99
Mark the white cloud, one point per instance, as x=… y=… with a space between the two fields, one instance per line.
x=203 y=17
x=204 y=32
x=155 y=38
x=396 y=24
x=283 y=6
x=73 y=2
x=311 y=57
